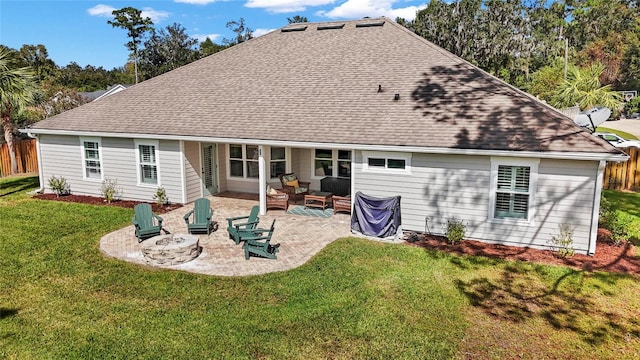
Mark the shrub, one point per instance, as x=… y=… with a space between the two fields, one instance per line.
x=619 y=227
x=59 y=185
x=456 y=230
x=109 y=190
x=563 y=242
x=161 y=196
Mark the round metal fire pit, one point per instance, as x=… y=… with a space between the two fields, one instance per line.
x=171 y=249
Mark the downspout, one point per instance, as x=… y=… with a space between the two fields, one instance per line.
x=593 y=235
x=39 y=155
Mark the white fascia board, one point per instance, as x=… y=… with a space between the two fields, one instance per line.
x=365 y=147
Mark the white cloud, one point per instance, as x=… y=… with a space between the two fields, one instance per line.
x=260 y=32
x=203 y=37
x=107 y=11
x=286 y=6
x=373 y=8
x=101 y=10
x=195 y=2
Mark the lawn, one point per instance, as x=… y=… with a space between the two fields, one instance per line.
x=358 y=299
x=623 y=134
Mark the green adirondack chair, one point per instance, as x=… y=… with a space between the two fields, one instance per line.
x=241 y=224
x=259 y=243
x=147 y=223
x=199 y=219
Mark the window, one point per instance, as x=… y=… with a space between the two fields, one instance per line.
x=91 y=158
x=277 y=162
x=243 y=161
x=147 y=159
x=325 y=161
x=386 y=162
x=513 y=189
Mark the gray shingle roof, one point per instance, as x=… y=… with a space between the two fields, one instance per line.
x=323 y=86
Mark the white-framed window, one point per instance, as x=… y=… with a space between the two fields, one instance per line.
x=331 y=162
x=513 y=188
x=277 y=161
x=147 y=162
x=386 y=162
x=91 y=159
x=243 y=161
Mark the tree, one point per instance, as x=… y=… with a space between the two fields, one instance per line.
x=583 y=87
x=17 y=91
x=297 y=19
x=243 y=33
x=208 y=47
x=130 y=19
x=167 y=49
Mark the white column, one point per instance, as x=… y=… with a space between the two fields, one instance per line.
x=262 y=180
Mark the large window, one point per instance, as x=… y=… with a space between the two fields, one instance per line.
x=328 y=162
x=91 y=159
x=386 y=162
x=147 y=162
x=513 y=189
x=277 y=162
x=243 y=161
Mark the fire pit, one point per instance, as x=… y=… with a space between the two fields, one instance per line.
x=171 y=249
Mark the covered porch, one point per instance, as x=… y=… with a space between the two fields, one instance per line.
x=301 y=237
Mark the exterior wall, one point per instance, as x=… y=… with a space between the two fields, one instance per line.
x=192 y=166
x=457 y=186
x=62 y=156
x=221 y=152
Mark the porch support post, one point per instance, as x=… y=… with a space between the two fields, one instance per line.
x=262 y=180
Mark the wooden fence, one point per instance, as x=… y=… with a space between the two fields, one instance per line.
x=624 y=175
x=26 y=155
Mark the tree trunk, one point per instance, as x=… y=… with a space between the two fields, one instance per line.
x=8 y=137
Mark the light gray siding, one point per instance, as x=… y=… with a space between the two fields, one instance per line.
x=441 y=187
x=62 y=156
x=192 y=171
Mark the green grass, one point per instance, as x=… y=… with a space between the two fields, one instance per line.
x=623 y=134
x=61 y=298
x=628 y=203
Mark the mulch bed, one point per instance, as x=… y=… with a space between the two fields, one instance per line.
x=608 y=257
x=94 y=200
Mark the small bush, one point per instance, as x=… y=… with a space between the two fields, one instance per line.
x=59 y=185
x=619 y=227
x=563 y=242
x=109 y=190
x=456 y=230
x=161 y=197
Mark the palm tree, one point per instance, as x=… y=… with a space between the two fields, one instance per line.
x=17 y=90
x=583 y=87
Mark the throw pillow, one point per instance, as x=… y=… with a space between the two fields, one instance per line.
x=294 y=183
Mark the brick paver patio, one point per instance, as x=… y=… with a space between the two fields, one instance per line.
x=300 y=238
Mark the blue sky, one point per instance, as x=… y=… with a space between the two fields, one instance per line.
x=77 y=30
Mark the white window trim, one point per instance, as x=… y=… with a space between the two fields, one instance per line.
x=287 y=156
x=84 y=159
x=533 y=187
x=244 y=164
x=386 y=156
x=334 y=162
x=155 y=144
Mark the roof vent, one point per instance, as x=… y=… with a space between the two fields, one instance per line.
x=292 y=29
x=330 y=27
x=371 y=24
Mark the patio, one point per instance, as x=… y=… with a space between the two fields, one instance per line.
x=301 y=237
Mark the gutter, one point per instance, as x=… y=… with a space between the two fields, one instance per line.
x=364 y=147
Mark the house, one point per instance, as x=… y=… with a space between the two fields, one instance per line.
x=99 y=94
x=366 y=100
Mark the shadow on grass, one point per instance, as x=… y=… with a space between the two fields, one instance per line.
x=520 y=293
x=5 y=313
x=9 y=187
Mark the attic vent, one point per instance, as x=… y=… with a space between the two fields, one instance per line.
x=372 y=24
x=330 y=27
x=291 y=29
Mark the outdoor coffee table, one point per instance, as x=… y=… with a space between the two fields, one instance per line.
x=318 y=199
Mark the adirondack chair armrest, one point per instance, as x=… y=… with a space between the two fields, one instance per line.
x=210 y=215
x=187 y=215
x=159 y=219
x=237 y=226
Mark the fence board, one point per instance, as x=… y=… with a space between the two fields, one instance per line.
x=624 y=175
x=26 y=156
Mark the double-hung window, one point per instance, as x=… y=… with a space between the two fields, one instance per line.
x=243 y=161
x=91 y=159
x=277 y=161
x=513 y=184
x=328 y=162
x=147 y=162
